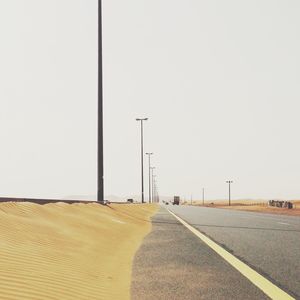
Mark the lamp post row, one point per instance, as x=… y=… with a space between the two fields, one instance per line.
x=100 y=183
x=100 y=168
x=152 y=197
x=100 y=187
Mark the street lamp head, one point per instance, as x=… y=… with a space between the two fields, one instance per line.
x=141 y=119
x=229 y=181
x=149 y=153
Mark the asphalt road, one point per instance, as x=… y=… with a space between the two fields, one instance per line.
x=173 y=263
x=270 y=244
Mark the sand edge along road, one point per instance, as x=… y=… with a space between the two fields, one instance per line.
x=64 y=251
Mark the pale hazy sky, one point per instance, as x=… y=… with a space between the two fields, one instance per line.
x=219 y=81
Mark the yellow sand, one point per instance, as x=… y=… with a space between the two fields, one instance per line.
x=62 y=251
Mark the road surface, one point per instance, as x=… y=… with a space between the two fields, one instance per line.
x=174 y=264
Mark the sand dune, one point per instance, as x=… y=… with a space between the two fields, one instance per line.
x=62 y=251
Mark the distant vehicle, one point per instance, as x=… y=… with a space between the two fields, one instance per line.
x=130 y=200
x=176 y=200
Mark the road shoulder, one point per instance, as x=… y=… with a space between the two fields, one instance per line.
x=172 y=263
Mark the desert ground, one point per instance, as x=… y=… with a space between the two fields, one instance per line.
x=63 y=251
x=251 y=205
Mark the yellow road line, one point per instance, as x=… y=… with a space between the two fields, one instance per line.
x=261 y=282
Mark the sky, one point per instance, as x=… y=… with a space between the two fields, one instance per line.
x=218 y=80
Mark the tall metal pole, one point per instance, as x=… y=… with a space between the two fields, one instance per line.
x=229 y=191
x=142 y=155
x=149 y=157
x=155 y=192
x=152 y=176
x=229 y=194
x=203 y=196
x=142 y=159
x=100 y=189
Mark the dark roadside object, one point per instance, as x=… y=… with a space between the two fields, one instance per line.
x=282 y=204
x=130 y=200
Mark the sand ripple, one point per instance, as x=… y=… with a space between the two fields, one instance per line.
x=62 y=251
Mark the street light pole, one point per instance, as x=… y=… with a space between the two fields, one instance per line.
x=152 y=176
x=100 y=189
x=149 y=158
x=229 y=191
x=203 y=196
x=155 y=192
x=142 y=155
